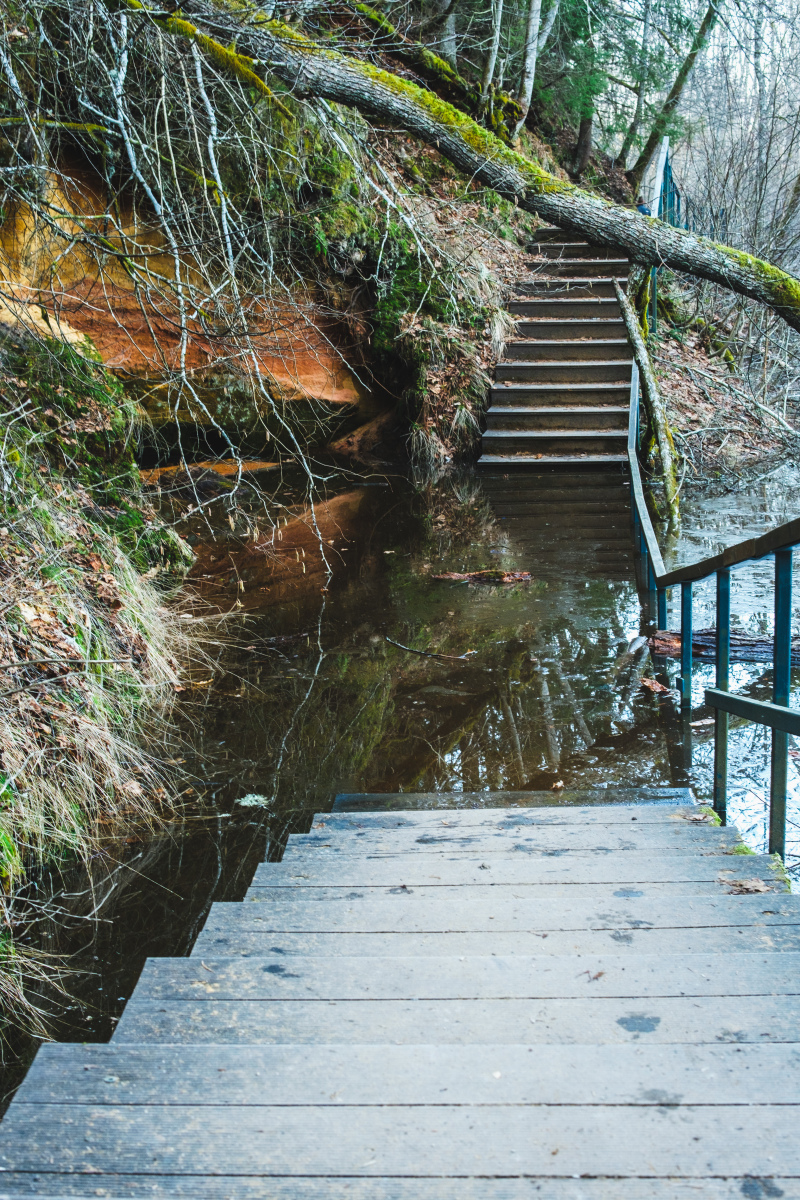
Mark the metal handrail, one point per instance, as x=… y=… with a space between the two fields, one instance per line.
x=778 y=542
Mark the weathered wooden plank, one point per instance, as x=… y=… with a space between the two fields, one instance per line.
x=661 y=838
x=697 y=1019
x=569 y=797
x=490 y=977
x=606 y=893
x=499 y=911
x=238 y=1187
x=658 y=1075
x=257 y=943
x=310 y=867
x=552 y=815
x=411 y=1141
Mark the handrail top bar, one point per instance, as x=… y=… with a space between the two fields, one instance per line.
x=782 y=537
x=786 y=720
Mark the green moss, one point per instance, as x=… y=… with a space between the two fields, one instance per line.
x=707 y=811
x=778 y=867
x=741 y=848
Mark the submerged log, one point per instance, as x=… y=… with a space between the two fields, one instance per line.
x=744 y=648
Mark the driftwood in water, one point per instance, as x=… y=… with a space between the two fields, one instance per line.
x=704 y=646
x=492 y=575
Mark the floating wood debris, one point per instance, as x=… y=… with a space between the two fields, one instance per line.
x=744 y=648
x=492 y=575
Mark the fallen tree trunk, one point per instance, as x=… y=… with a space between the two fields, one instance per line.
x=310 y=71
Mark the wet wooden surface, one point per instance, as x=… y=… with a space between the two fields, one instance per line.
x=604 y=1018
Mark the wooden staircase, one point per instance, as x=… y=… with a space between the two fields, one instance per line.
x=480 y=996
x=562 y=389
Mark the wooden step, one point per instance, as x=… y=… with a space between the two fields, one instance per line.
x=480 y=977
x=558 y=248
x=571 y=328
x=20 y=1186
x=411 y=914
x=565 y=308
x=334 y=1075
x=432 y=1139
x=626 y=871
x=571 y=511
x=587 y=395
x=581 y=268
x=252 y=942
x=599 y=371
x=555 y=441
x=600 y=288
x=525 y=462
x=352 y=838
x=564 y=487
x=568 y=417
x=660 y=1020
x=587 y=350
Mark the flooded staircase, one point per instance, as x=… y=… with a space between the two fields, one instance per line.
x=485 y=996
x=562 y=389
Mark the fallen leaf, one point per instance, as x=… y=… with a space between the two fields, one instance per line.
x=746 y=887
x=653 y=685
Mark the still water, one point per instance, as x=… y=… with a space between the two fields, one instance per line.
x=375 y=676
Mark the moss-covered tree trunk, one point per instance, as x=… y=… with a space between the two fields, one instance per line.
x=310 y=71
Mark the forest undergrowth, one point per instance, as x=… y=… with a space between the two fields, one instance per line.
x=91 y=656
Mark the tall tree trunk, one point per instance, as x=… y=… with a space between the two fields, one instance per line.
x=583 y=146
x=671 y=103
x=644 y=55
x=446 y=18
x=549 y=22
x=530 y=54
x=311 y=71
x=491 y=54
x=759 y=189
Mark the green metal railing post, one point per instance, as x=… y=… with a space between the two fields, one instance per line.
x=661 y=602
x=652 y=600
x=781 y=684
x=722 y=682
x=686 y=645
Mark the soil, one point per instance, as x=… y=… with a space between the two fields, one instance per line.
x=718 y=428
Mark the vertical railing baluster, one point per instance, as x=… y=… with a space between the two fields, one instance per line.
x=723 y=682
x=652 y=602
x=781 y=684
x=661 y=604
x=686 y=645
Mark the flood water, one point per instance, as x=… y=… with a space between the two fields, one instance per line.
x=379 y=677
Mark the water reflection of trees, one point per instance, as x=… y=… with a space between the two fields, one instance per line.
x=542 y=702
